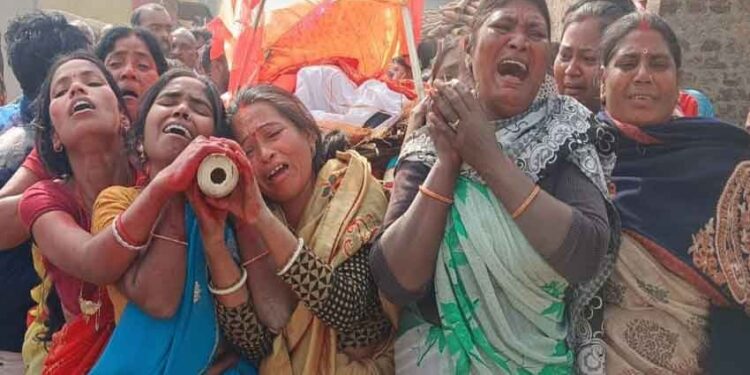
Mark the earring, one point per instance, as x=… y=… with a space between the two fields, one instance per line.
x=58 y=147
x=141 y=154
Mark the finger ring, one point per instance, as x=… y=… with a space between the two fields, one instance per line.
x=454 y=124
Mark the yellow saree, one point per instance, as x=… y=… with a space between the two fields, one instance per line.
x=344 y=213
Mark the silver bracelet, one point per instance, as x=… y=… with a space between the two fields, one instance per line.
x=122 y=242
x=295 y=255
x=230 y=289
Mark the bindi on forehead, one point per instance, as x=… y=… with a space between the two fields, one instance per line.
x=645 y=52
x=76 y=69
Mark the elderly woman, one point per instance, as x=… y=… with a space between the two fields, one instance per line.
x=508 y=195
x=304 y=216
x=677 y=301
x=577 y=66
x=80 y=115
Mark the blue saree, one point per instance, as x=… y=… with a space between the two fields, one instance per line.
x=182 y=344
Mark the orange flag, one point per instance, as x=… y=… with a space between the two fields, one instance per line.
x=266 y=38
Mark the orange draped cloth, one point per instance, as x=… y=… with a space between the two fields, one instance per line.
x=262 y=39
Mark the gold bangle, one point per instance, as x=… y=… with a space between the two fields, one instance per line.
x=254 y=259
x=431 y=194
x=525 y=205
x=169 y=239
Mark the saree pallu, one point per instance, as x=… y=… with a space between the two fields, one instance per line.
x=182 y=344
x=34 y=351
x=345 y=211
x=501 y=305
x=503 y=309
x=683 y=192
x=78 y=345
x=654 y=319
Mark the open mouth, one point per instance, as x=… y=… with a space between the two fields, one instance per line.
x=513 y=68
x=281 y=168
x=640 y=97
x=179 y=130
x=129 y=94
x=81 y=105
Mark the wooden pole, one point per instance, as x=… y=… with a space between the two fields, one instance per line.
x=411 y=43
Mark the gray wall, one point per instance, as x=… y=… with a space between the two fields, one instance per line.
x=715 y=47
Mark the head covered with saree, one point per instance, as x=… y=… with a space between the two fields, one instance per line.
x=681 y=185
x=521 y=314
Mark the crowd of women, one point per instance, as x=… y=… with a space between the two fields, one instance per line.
x=539 y=224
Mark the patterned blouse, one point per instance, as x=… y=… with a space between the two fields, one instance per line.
x=345 y=298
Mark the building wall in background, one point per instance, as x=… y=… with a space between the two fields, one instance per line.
x=715 y=45
x=713 y=35
x=107 y=11
x=557 y=10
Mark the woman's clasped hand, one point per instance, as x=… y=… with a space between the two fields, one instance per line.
x=245 y=203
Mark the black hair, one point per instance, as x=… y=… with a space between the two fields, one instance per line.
x=34 y=40
x=403 y=61
x=57 y=163
x=55 y=318
x=221 y=128
x=107 y=44
x=135 y=18
x=289 y=106
x=624 y=26
x=426 y=51
x=606 y=11
x=486 y=7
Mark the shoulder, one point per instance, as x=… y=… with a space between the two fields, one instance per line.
x=46 y=196
x=111 y=202
x=48 y=188
x=116 y=194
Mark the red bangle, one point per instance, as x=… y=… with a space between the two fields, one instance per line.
x=122 y=232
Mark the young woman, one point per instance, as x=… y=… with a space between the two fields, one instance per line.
x=134 y=59
x=81 y=116
x=151 y=243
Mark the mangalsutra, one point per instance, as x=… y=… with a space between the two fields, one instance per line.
x=90 y=308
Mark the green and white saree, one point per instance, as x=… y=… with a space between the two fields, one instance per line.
x=503 y=309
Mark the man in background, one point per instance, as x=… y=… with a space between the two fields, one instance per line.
x=156 y=19
x=185 y=47
x=216 y=70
